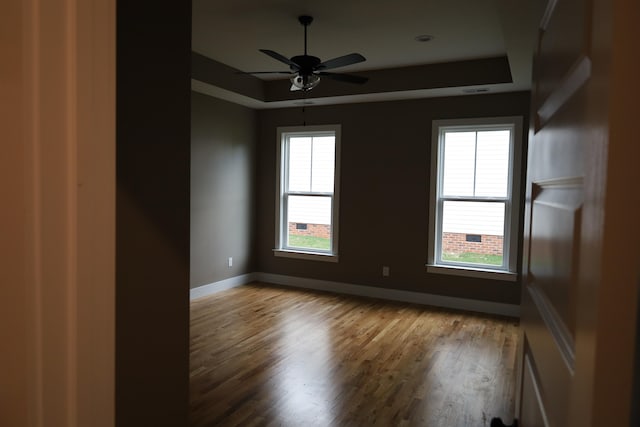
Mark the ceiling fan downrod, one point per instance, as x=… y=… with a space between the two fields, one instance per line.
x=305 y=20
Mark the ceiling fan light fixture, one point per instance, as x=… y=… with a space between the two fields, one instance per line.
x=305 y=82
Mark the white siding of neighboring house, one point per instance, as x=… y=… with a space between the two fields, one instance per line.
x=310 y=210
x=480 y=218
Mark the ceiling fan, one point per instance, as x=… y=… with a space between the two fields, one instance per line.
x=305 y=70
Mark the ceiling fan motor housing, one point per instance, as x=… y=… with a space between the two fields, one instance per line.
x=307 y=64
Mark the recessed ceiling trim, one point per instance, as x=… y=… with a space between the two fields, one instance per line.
x=226 y=95
x=422 y=79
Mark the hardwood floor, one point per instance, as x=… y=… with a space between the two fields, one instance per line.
x=268 y=356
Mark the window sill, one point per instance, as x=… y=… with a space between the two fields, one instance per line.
x=313 y=256
x=506 y=276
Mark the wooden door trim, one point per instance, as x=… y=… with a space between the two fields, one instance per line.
x=61 y=185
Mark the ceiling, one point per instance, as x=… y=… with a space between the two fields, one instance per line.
x=231 y=32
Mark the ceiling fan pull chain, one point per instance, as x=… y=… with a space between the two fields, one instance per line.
x=304 y=102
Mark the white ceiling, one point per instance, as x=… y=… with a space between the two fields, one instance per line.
x=231 y=32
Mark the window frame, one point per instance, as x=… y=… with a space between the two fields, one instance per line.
x=281 y=224
x=508 y=270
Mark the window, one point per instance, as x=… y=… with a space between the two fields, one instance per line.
x=307 y=205
x=475 y=197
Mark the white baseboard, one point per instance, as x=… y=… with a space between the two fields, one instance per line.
x=222 y=285
x=511 y=310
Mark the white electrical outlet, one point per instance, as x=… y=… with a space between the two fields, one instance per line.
x=385 y=271
x=230 y=261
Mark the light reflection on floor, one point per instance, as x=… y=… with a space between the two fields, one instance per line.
x=303 y=388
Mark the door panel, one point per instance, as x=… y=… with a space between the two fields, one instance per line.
x=553 y=214
x=555 y=225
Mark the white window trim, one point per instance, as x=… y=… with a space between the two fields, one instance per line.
x=280 y=230
x=512 y=221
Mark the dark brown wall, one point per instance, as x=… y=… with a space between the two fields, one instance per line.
x=384 y=192
x=152 y=213
x=223 y=141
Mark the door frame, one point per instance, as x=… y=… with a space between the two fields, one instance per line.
x=57 y=318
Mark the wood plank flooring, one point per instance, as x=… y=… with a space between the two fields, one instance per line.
x=269 y=356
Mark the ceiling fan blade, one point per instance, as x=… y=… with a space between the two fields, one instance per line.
x=348 y=78
x=264 y=72
x=341 y=61
x=281 y=58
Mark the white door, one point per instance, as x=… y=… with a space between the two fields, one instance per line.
x=580 y=260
